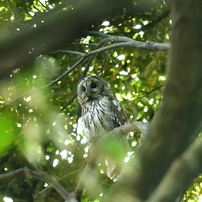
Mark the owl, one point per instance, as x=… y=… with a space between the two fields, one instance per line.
x=101 y=113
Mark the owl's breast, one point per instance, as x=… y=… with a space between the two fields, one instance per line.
x=97 y=119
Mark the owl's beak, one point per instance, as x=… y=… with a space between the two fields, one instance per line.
x=93 y=90
x=87 y=96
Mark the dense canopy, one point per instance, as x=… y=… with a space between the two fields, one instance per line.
x=47 y=46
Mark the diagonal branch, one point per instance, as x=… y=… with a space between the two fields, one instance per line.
x=89 y=178
x=23 y=172
x=180 y=175
x=59 y=28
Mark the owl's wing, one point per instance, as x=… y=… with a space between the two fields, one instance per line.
x=118 y=115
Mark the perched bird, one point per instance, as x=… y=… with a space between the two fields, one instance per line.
x=101 y=113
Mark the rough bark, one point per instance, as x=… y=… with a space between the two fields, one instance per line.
x=178 y=121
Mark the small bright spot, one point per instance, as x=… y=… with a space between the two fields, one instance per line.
x=118 y=97
x=128 y=61
x=47 y=157
x=126 y=159
x=19 y=125
x=106 y=23
x=162 y=78
x=46 y=185
x=145 y=109
x=12 y=17
x=134 y=144
x=128 y=156
x=57 y=152
x=138 y=26
x=115 y=54
x=6 y=169
x=55 y=162
x=144 y=121
x=27 y=99
x=140 y=104
x=85 y=155
x=18 y=29
x=91 y=68
x=70 y=159
x=86 y=149
x=66 y=142
x=151 y=101
x=6 y=199
x=30 y=110
x=101 y=194
x=123 y=88
x=63 y=154
x=200 y=198
x=34 y=76
x=83 y=140
x=145 y=22
x=123 y=73
x=78 y=138
x=141 y=33
x=121 y=57
x=134 y=76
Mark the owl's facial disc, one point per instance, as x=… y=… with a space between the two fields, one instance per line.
x=90 y=88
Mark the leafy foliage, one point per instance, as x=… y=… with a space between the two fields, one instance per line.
x=39 y=112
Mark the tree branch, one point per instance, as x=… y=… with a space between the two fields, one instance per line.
x=180 y=175
x=122 y=42
x=89 y=179
x=179 y=120
x=59 y=28
x=40 y=176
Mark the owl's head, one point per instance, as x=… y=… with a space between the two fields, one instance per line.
x=91 y=88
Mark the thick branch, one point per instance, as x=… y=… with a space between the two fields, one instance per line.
x=179 y=120
x=59 y=28
x=180 y=175
x=88 y=179
x=131 y=127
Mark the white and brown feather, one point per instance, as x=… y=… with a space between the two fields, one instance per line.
x=101 y=112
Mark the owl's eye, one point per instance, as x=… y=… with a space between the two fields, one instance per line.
x=83 y=89
x=93 y=85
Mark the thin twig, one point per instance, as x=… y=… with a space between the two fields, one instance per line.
x=69 y=102
x=48 y=85
x=50 y=186
x=122 y=42
x=23 y=172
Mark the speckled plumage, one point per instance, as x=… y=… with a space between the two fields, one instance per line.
x=101 y=112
